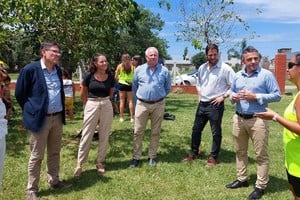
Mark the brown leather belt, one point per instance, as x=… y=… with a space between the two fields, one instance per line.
x=151 y=102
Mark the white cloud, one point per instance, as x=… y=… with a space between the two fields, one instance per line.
x=286 y=11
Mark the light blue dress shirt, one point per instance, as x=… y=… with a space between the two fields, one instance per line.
x=53 y=86
x=151 y=85
x=261 y=82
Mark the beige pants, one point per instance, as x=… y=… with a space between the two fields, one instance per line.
x=49 y=137
x=258 y=131
x=97 y=111
x=143 y=112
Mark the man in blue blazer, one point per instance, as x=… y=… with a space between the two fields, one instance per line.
x=39 y=91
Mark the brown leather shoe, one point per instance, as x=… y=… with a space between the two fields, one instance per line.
x=32 y=196
x=61 y=185
x=190 y=157
x=211 y=162
x=100 y=169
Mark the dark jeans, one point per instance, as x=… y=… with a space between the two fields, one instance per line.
x=212 y=113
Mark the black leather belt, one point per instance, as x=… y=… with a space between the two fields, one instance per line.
x=151 y=102
x=53 y=114
x=205 y=102
x=245 y=116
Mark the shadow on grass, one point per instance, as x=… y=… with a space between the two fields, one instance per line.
x=86 y=180
x=17 y=137
x=275 y=184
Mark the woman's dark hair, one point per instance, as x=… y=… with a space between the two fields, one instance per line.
x=138 y=58
x=92 y=67
x=66 y=74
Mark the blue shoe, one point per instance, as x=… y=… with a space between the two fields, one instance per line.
x=152 y=162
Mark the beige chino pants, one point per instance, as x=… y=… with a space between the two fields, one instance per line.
x=97 y=111
x=258 y=131
x=143 y=112
x=49 y=137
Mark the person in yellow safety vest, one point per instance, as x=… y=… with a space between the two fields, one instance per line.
x=124 y=75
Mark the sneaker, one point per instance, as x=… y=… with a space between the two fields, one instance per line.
x=100 y=169
x=211 y=162
x=152 y=162
x=61 y=185
x=190 y=157
x=121 y=119
x=134 y=163
x=131 y=120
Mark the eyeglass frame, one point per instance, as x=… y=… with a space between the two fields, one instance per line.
x=292 y=64
x=54 y=51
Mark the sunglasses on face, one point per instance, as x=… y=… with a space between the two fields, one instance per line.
x=291 y=64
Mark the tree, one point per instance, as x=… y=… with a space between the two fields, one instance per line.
x=199 y=59
x=210 y=21
x=142 y=33
x=185 y=52
x=237 y=54
x=81 y=27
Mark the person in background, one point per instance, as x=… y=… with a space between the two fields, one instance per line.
x=291 y=129
x=39 y=92
x=124 y=75
x=136 y=61
x=69 y=90
x=252 y=89
x=96 y=94
x=214 y=81
x=7 y=97
x=3 y=127
x=116 y=99
x=151 y=84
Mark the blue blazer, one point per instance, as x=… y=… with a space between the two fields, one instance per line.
x=32 y=95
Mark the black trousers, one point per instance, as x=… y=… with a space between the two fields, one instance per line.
x=212 y=113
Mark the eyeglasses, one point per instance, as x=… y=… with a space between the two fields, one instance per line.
x=291 y=64
x=54 y=51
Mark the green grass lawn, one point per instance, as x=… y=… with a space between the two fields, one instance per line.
x=170 y=179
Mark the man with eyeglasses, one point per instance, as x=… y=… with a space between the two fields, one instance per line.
x=39 y=91
x=252 y=89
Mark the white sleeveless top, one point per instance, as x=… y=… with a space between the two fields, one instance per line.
x=3 y=121
x=68 y=87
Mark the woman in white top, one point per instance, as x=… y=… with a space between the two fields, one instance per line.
x=3 y=127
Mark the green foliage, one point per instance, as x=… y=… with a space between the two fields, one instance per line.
x=185 y=52
x=82 y=28
x=199 y=59
x=171 y=179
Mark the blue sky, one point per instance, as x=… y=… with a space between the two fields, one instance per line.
x=278 y=26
